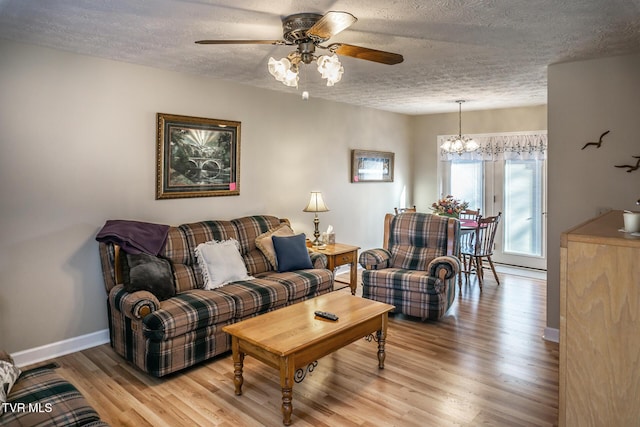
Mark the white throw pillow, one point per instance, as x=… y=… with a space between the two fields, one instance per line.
x=221 y=263
x=8 y=376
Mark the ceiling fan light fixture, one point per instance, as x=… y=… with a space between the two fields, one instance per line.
x=330 y=68
x=307 y=31
x=278 y=69
x=291 y=78
x=284 y=71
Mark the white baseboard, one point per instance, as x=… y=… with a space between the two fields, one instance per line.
x=551 y=334
x=60 y=348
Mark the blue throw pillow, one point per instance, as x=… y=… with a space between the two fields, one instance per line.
x=291 y=253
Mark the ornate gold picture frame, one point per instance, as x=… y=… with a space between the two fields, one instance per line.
x=197 y=157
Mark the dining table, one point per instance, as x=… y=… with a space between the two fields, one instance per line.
x=467 y=225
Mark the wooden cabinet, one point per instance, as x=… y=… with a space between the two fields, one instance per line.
x=599 y=325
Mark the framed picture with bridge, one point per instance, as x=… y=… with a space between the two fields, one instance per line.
x=197 y=157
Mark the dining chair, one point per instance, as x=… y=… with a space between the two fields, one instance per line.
x=476 y=247
x=403 y=210
x=468 y=221
x=469 y=214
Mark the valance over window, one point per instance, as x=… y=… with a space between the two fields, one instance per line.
x=507 y=146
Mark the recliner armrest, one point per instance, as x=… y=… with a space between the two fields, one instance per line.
x=444 y=267
x=375 y=259
x=135 y=305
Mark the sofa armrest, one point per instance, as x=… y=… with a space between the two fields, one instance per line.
x=135 y=305
x=444 y=267
x=375 y=259
x=318 y=260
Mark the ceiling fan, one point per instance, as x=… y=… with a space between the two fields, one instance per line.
x=307 y=31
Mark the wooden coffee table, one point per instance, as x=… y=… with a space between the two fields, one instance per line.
x=292 y=339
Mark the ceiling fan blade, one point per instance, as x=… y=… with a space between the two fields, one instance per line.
x=274 y=42
x=366 y=53
x=331 y=24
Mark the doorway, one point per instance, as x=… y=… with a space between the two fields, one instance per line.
x=498 y=180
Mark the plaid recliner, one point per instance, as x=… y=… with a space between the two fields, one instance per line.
x=161 y=337
x=417 y=268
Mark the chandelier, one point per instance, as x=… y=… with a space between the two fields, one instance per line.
x=460 y=144
x=286 y=70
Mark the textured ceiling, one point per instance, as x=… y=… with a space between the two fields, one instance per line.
x=492 y=53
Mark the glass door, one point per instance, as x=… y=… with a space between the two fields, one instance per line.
x=516 y=188
x=520 y=196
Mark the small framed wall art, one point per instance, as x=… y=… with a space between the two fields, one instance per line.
x=197 y=157
x=371 y=166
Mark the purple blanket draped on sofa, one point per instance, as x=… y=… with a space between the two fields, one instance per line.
x=134 y=237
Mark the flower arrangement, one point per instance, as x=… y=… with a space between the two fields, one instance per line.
x=449 y=206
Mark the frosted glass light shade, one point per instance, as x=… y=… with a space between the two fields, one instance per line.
x=330 y=68
x=283 y=71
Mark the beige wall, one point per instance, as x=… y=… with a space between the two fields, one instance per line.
x=77 y=147
x=425 y=130
x=585 y=99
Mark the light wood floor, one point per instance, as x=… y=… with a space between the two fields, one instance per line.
x=485 y=363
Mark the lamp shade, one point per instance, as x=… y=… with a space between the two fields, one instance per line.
x=316 y=203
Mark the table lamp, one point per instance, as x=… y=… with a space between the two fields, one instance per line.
x=316 y=204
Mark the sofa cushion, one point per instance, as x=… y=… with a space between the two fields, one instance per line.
x=178 y=251
x=256 y=296
x=247 y=229
x=9 y=373
x=264 y=242
x=403 y=280
x=221 y=263
x=187 y=270
x=302 y=284
x=60 y=403
x=188 y=311
x=292 y=253
x=144 y=272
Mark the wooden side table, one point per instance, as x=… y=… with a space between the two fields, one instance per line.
x=339 y=254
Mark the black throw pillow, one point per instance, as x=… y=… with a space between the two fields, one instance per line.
x=144 y=272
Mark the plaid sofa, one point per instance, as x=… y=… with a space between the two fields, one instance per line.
x=40 y=397
x=417 y=267
x=161 y=337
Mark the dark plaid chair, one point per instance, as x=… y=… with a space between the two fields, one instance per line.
x=417 y=267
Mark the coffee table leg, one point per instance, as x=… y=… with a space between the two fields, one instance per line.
x=382 y=335
x=353 y=277
x=238 y=361
x=286 y=383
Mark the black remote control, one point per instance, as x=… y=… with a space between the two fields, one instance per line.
x=326 y=315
